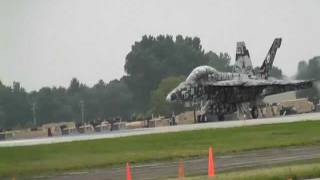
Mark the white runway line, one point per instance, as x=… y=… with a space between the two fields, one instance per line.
x=143 y=131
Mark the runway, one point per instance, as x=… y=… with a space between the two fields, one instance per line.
x=229 y=162
x=143 y=131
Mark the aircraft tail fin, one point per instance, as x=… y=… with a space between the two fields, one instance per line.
x=266 y=67
x=243 y=62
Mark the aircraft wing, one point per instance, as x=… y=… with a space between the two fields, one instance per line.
x=252 y=82
x=269 y=86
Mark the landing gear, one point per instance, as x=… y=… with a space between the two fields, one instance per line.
x=220 y=117
x=254 y=112
x=202 y=118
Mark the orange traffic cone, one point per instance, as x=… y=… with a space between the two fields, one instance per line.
x=128 y=171
x=181 y=170
x=210 y=163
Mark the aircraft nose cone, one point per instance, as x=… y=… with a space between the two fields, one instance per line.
x=168 y=98
x=171 y=97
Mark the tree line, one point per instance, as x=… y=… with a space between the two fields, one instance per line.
x=309 y=70
x=153 y=67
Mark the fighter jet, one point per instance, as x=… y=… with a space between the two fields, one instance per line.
x=242 y=90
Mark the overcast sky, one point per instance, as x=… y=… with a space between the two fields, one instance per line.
x=47 y=42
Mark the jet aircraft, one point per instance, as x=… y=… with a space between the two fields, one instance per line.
x=242 y=90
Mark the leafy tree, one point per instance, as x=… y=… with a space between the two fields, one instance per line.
x=220 y=62
x=74 y=86
x=46 y=105
x=308 y=71
x=155 y=58
x=117 y=99
x=109 y=100
x=4 y=99
x=14 y=107
x=275 y=72
x=158 y=102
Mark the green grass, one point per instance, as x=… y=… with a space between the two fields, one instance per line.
x=21 y=161
x=297 y=171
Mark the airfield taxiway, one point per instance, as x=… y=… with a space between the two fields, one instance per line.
x=228 y=162
x=141 y=131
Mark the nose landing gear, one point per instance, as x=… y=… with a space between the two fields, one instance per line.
x=254 y=112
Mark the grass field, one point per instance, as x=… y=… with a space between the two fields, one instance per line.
x=15 y=161
x=296 y=171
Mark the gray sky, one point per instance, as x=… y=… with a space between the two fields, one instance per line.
x=47 y=42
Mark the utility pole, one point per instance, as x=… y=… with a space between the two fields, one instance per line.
x=34 y=114
x=82 y=110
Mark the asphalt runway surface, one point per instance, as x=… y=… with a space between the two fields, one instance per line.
x=142 y=131
x=228 y=162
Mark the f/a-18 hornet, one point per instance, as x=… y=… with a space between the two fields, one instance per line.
x=242 y=90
